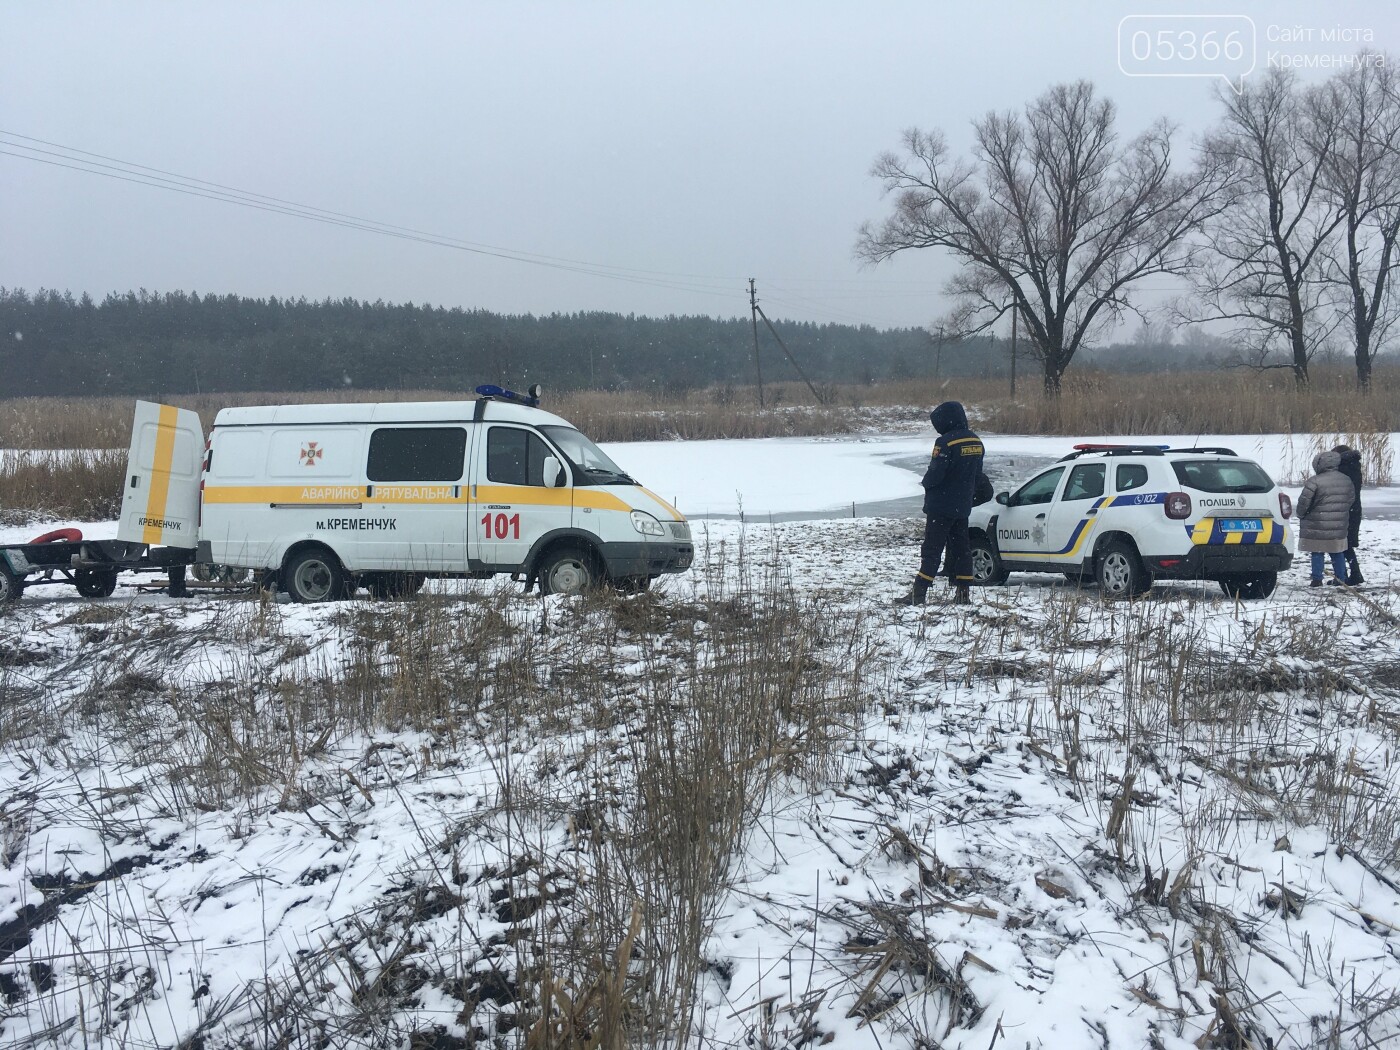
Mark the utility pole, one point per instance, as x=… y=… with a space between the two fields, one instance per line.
x=753 y=317
x=938 y=354
x=788 y=352
x=1013 y=353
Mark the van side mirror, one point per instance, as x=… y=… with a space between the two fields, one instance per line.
x=553 y=473
x=1004 y=498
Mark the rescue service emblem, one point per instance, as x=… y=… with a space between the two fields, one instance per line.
x=310 y=453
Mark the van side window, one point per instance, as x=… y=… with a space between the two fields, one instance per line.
x=417 y=454
x=1130 y=476
x=515 y=456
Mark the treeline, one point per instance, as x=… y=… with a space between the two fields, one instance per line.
x=176 y=343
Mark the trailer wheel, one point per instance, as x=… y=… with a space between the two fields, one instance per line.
x=11 y=586
x=95 y=583
x=208 y=572
x=315 y=575
x=567 y=570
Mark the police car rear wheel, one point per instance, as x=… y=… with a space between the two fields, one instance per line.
x=1120 y=573
x=987 y=569
x=1249 y=586
x=567 y=571
x=315 y=575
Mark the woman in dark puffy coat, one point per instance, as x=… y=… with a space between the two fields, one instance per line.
x=1324 y=508
x=1351 y=467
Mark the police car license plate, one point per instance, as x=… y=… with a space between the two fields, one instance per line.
x=1241 y=525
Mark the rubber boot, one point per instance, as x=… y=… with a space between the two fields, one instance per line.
x=916 y=594
x=1354 y=577
x=962 y=594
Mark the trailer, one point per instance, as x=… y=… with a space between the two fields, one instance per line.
x=157 y=529
x=64 y=558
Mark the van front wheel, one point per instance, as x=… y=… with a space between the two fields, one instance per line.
x=315 y=575
x=567 y=570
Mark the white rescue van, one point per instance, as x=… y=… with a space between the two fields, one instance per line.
x=326 y=498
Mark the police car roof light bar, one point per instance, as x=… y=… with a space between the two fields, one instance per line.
x=1114 y=450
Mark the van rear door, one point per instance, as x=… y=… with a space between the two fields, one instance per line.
x=160 y=495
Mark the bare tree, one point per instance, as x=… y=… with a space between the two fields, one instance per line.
x=1268 y=248
x=1051 y=218
x=1361 y=184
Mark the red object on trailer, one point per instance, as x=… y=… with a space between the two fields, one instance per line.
x=59 y=536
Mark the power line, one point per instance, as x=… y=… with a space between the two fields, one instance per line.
x=256 y=202
x=106 y=166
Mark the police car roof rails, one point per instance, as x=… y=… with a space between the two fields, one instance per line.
x=1210 y=450
x=1114 y=450
x=492 y=392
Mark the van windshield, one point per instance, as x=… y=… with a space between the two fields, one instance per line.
x=591 y=464
x=1222 y=475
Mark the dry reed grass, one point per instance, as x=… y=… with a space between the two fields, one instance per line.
x=78 y=486
x=1218 y=402
x=666 y=726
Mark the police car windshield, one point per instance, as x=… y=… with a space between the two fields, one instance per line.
x=1221 y=475
x=591 y=464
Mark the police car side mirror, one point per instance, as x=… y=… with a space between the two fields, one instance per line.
x=1004 y=498
x=553 y=473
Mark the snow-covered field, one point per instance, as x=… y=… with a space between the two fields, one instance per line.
x=1044 y=821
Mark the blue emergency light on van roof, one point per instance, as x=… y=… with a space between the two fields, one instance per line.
x=530 y=399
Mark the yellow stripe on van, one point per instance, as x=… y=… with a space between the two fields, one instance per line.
x=308 y=494
x=160 y=473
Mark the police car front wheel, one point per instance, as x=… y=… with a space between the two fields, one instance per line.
x=987 y=567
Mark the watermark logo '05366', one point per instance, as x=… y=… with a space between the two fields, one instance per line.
x=1188 y=46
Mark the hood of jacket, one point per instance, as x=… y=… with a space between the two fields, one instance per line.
x=948 y=416
x=1326 y=461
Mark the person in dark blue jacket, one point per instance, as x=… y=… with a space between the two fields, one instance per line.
x=949 y=484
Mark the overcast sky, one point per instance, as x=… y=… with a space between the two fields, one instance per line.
x=681 y=146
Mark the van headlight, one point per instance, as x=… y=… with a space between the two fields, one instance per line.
x=646 y=524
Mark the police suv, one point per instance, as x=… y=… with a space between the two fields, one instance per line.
x=1127 y=514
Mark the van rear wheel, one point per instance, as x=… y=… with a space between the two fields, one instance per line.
x=315 y=575
x=568 y=570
